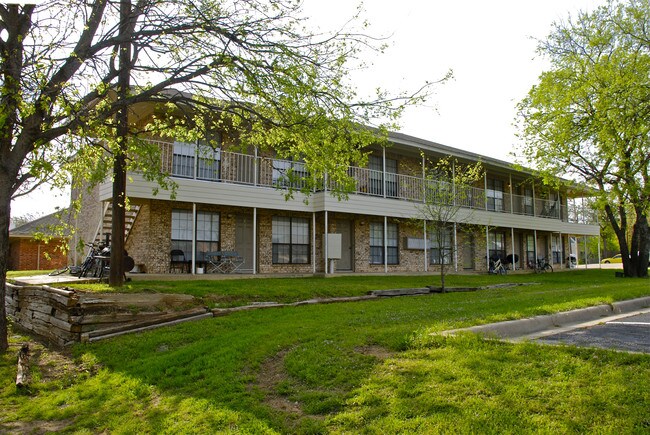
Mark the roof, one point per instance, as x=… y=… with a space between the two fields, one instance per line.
x=42 y=224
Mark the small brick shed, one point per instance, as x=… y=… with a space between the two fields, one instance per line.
x=28 y=253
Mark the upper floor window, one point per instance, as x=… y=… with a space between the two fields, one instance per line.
x=287 y=173
x=494 y=194
x=203 y=158
x=376 y=166
x=290 y=239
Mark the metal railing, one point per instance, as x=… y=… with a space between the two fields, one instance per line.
x=237 y=168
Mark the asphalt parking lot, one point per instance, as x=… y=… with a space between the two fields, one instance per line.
x=630 y=334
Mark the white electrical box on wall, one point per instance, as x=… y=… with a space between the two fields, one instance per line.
x=333 y=246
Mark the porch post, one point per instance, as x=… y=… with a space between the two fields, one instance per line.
x=512 y=243
x=455 y=247
x=599 y=252
x=383 y=169
x=325 y=242
x=586 y=265
x=385 y=243
x=426 y=257
x=313 y=242
x=254 y=240
x=256 y=166
x=193 y=238
x=485 y=197
x=512 y=208
x=487 y=246
x=535 y=245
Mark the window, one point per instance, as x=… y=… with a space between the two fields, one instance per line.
x=207 y=233
x=290 y=240
x=287 y=173
x=528 y=202
x=377 y=243
x=494 y=195
x=557 y=249
x=441 y=246
x=530 y=249
x=376 y=166
x=207 y=161
x=182 y=232
x=183 y=159
x=497 y=245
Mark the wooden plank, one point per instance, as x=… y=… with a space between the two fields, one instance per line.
x=162 y=319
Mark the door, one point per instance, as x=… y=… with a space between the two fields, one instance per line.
x=344 y=227
x=244 y=241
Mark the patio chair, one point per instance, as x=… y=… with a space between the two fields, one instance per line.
x=177 y=261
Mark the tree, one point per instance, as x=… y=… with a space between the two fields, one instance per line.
x=68 y=68
x=447 y=190
x=589 y=117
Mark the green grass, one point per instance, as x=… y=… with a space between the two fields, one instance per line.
x=362 y=367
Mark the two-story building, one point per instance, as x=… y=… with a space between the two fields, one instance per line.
x=230 y=201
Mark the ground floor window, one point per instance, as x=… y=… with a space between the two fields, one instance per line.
x=290 y=240
x=497 y=245
x=557 y=249
x=441 y=246
x=377 y=243
x=207 y=233
x=530 y=249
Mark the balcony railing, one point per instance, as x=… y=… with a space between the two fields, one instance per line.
x=237 y=168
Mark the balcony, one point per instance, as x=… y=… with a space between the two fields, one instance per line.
x=183 y=161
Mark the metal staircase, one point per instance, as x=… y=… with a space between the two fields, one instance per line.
x=105 y=223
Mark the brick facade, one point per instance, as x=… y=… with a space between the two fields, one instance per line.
x=30 y=254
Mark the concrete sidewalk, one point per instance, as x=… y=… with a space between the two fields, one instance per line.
x=540 y=326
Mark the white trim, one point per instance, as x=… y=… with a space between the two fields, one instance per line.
x=255 y=240
x=194 y=237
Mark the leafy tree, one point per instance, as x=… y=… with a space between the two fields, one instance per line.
x=447 y=194
x=69 y=68
x=589 y=117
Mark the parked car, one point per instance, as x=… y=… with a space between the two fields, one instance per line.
x=615 y=259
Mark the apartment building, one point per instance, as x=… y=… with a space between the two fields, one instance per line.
x=234 y=203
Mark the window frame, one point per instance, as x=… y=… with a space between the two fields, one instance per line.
x=295 y=252
x=377 y=250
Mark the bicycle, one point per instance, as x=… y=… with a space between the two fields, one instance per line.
x=543 y=266
x=92 y=263
x=497 y=268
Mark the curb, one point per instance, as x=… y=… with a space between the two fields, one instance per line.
x=523 y=328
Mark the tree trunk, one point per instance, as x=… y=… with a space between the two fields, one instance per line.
x=5 y=215
x=116 y=277
x=639 y=246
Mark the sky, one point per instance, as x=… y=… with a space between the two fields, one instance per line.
x=489 y=46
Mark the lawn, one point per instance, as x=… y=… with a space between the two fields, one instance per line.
x=361 y=367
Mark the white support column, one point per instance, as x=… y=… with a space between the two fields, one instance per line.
x=424 y=181
x=383 y=169
x=512 y=245
x=485 y=194
x=512 y=204
x=325 y=242
x=313 y=242
x=487 y=246
x=455 y=247
x=535 y=246
x=586 y=258
x=254 y=240
x=599 y=252
x=426 y=250
x=193 y=238
x=534 y=201
x=385 y=244
x=256 y=166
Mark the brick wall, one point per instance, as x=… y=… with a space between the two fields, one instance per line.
x=30 y=254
